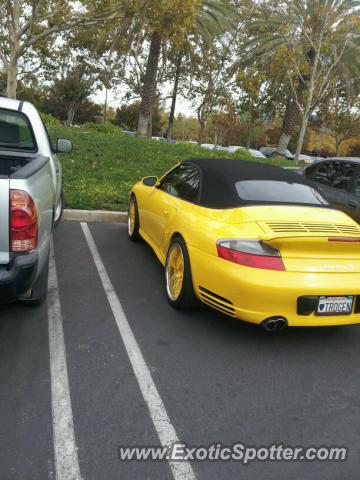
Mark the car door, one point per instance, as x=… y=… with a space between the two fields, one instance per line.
x=334 y=179
x=181 y=184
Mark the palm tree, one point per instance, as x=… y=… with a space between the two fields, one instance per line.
x=213 y=20
x=321 y=39
x=210 y=20
x=149 y=87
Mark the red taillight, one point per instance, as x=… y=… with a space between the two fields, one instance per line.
x=23 y=222
x=250 y=254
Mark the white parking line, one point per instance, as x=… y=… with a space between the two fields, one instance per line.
x=66 y=457
x=159 y=416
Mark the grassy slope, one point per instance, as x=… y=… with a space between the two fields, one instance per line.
x=103 y=167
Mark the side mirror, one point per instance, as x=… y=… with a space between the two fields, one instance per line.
x=63 y=145
x=150 y=181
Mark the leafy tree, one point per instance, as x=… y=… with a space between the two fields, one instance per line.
x=185 y=128
x=104 y=48
x=127 y=117
x=215 y=18
x=28 y=26
x=70 y=92
x=319 y=38
x=209 y=88
x=252 y=85
x=340 y=116
x=169 y=20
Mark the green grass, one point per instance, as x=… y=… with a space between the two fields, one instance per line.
x=103 y=166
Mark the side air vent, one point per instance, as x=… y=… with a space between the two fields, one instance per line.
x=309 y=227
x=217 y=302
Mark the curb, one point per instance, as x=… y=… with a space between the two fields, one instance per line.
x=95 y=216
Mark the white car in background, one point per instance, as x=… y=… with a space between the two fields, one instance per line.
x=252 y=151
x=235 y=148
x=223 y=149
x=256 y=153
x=308 y=160
x=208 y=146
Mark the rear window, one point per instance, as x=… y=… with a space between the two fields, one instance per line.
x=16 y=132
x=273 y=191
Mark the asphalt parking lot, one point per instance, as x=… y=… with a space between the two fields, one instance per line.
x=136 y=372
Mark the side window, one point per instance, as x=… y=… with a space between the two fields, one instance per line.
x=321 y=173
x=357 y=186
x=333 y=174
x=183 y=182
x=344 y=172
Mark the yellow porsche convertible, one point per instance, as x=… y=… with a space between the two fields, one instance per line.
x=253 y=241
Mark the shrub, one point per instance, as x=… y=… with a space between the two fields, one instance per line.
x=106 y=128
x=50 y=120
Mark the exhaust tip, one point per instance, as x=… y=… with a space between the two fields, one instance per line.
x=274 y=324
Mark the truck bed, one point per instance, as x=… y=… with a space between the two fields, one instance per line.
x=20 y=165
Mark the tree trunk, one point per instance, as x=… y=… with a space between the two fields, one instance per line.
x=202 y=122
x=170 y=129
x=338 y=146
x=71 y=111
x=292 y=119
x=283 y=143
x=202 y=133
x=149 y=89
x=12 y=73
x=105 y=105
x=308 y=104
x=12 y=67
x=248 y=139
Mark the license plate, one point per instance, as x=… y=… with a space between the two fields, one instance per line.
x=335 y=305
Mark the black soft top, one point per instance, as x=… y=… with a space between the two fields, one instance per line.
x=220 y=176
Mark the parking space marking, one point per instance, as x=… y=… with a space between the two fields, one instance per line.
x=163 y=426
x=66 y=457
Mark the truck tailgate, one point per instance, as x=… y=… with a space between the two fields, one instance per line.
x=4 y=221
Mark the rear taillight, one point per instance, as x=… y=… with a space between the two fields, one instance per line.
x=23 y=222
x=250 y=253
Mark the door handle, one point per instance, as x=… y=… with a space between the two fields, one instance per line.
x=352 y=204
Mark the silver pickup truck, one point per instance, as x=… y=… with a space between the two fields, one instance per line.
x=31 y=201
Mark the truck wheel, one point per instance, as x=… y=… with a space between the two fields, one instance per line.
x=59 y=210
x=40 y=287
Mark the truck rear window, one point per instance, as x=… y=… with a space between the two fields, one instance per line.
x=15 y=132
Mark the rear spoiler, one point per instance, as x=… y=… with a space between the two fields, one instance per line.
x=332 y=237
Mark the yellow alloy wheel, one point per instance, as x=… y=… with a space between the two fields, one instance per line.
x=131 y=218
x=175 y=272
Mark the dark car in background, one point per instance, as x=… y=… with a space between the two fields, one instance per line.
x=270 y=152
x=339 y=181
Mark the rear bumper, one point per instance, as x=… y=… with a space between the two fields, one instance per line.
x=19 y=277
x=254 y=295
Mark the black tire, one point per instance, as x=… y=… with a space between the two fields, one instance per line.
x=40 y=288
x=134 y=233
x=60 y=214
x=187 y=297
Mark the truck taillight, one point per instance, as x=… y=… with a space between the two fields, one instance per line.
x=23 y=222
